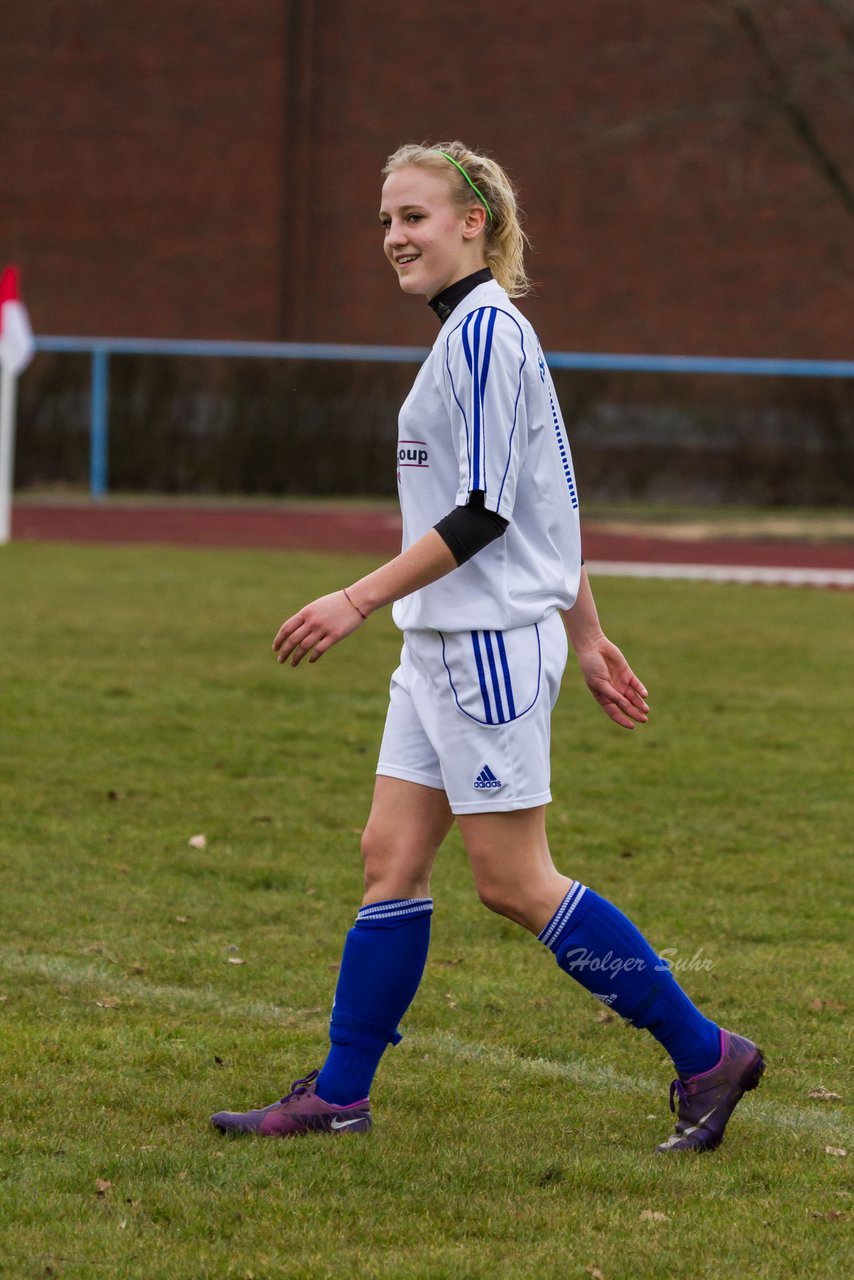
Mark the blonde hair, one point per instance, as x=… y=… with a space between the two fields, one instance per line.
x=505 y=241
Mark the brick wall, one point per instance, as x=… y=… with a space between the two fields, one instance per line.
x=142 y=185
x=212 y=169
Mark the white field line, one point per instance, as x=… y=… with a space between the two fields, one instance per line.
x=500 y=1058
x=826 y=1126
x=105 y=981
x=765 y=575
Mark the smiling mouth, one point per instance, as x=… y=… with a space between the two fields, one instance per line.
x=405 y=261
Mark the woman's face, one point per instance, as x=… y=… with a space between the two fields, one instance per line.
x=428 y=241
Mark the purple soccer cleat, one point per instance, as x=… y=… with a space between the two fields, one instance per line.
x=707 y=1101
x=300 y=1111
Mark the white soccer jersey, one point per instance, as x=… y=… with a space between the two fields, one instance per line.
x=483 y=414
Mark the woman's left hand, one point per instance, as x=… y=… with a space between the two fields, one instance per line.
x=614 y=685
x=316 y=628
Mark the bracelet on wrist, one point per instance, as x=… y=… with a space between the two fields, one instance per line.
x=347 y=595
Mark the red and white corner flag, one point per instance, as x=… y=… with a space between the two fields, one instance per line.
x=16 y=337
x=16 y=351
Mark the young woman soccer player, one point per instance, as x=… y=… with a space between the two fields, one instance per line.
x=489 y=585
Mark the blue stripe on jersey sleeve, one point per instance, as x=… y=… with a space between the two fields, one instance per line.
x=465 y=337
x=477 y=409
x=477 y=343
x=487 y=355
x=467 y=353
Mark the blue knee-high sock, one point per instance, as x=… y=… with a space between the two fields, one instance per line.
x=384 y=957
x=600 y=947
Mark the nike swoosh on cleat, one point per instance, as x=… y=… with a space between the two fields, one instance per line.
x=692 y=1128
x=686 y=1133
x=344 y=1124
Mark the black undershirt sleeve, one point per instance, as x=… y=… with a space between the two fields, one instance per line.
x=467 y=530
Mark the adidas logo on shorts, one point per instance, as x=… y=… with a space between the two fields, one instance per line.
x=486 y=780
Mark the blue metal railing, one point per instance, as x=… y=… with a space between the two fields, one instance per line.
x=101 y=349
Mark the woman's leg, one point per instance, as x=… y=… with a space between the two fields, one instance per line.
x=381 y=967
x=513 y=870
x=591 y=939
x=386 y=950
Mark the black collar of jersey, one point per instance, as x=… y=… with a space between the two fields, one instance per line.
x=445 y=302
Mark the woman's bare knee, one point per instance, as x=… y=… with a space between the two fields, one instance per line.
x=394 y=867
x=512 y=865
x=498 y=898
x=385 y=859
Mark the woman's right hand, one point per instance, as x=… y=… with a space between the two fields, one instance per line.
x=316 y=628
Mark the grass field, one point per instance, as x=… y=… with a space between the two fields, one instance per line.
x=514 y=1125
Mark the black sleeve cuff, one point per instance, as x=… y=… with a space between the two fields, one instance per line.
x=467 y=530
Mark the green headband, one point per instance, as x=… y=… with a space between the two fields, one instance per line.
x=481 y=197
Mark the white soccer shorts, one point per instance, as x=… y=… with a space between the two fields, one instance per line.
x=470 y=714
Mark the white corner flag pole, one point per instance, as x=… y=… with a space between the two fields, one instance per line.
x=8 y=391
x=16 y=352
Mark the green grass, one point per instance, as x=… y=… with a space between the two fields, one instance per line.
x=141 y=705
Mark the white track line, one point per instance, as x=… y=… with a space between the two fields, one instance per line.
x=766 y=575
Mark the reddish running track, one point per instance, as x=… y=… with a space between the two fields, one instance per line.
x=274 y=529
x=377 y=533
